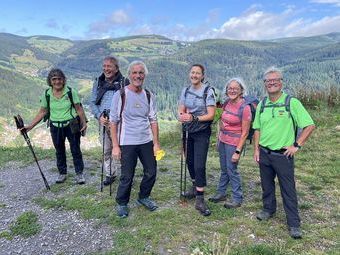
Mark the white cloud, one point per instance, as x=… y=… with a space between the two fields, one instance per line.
x=102 y=28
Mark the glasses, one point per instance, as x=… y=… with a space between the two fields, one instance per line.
x=268 y=81
x=57 y=79
x=233 y=89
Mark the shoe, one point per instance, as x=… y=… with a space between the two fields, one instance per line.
x=191 y=193
x=263 y=215
x=122 y=211
x=80 y=179
x=295 y=232
x=148 y=203
x=218 y=198
x=231 y=205
x=109 y=180
x=201 y=206
x=61 y=178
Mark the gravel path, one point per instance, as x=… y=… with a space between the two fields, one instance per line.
x=63 y=232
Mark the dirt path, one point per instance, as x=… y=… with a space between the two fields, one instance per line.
x=63 y=232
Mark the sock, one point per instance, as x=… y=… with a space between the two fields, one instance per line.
x=199 y=193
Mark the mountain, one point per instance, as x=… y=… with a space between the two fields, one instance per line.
x=309 y=64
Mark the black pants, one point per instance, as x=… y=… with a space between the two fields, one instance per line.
x=272 y=165
x=130 y=154
x=59 y=135
x=197 y=152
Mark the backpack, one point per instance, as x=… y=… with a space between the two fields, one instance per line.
x=47 y=96
x=297 y=130
x=117 y=85
x=252 y=102
x=195 y=126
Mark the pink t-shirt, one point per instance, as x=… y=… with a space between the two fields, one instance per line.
x=232 y=123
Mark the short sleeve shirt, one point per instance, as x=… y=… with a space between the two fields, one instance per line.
x=194 y=101
x=276 y=124
x=60 y=108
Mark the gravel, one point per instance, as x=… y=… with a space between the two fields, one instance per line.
x=63 y=232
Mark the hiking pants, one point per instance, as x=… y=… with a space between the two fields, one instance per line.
x=197 y=151
x=59 y=135
x=130 y=154
x=109 y=162
x=229 y=173
x=276 y=164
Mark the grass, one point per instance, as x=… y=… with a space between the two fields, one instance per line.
x=25 y=225
x=177 y=228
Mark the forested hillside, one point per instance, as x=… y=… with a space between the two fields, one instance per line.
x=310 y=64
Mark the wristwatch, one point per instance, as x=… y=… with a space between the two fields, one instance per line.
x=237 y=151
x=297 y=145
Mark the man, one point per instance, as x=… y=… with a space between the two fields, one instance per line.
x=134 y=110
x=275 y=144
x=103 y=89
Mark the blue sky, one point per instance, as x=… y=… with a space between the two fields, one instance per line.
x=177 y=19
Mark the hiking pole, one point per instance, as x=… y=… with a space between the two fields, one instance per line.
x=183 y=160
x=20 y=124
x=110 y=176
x=105 y=115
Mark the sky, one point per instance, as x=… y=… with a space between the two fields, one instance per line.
x=183 y=20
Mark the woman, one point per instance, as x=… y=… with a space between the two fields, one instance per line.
x=62 y=106
x=196 y=111
x=234 y=128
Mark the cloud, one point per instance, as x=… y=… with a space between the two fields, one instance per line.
x=102 y=28
x=332 y=2
x=52 y=23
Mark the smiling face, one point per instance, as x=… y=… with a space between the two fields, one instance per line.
x=196 y=75
x=234 y=90
x=137 y=75
x=57 y=82
x=273 y=83
x=109 y=69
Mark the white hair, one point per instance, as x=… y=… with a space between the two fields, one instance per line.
x=240 y=82
x=272 y=69
x=138 y=63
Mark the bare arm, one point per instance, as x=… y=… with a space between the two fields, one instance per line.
x=40 y=115
x=210 y=114
x=81 y=113
x=155 y=134
x=116 y=153
x=243 y=138
x=306 y=132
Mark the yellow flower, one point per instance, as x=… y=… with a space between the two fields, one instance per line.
x=160 y=154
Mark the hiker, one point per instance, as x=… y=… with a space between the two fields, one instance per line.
x=110 y=81
x=196 y=111
x=62 y=106
x=233 y=131
x=276 y=143
x=133 y=114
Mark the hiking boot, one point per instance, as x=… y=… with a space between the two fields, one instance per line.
x=122 y=211
x=80 y=179
x=201 y=206
x=109 y=180
x=231 y=205
x=61 y=178
x=191 y=193
x=263 y=215
x=147 y=203
x=218 y=198
x=295 y=232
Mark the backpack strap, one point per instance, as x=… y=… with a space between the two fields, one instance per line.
x=263 y=103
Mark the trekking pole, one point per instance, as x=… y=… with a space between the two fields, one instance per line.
x=110 y=177
x=105 y=115
x=183 y=160
x=20 y=124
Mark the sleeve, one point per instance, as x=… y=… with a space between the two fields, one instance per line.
x=246 y=115
x=300 y=114
x=182 y=98
x=116 y=105
x=94 y=108
x=211 y=99
x=43 y=102
x=153 y=109
x=75 y=96
x=257 y=123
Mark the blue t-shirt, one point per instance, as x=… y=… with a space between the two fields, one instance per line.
x=194 y=101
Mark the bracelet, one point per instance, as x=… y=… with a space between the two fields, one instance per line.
x=194 y=118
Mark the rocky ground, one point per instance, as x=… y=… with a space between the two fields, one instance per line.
x=63 y=232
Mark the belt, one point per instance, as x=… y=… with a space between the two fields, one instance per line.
x=274 y=152
x=230 y=133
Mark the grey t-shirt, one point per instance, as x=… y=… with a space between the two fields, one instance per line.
x=194 y=101
x=137 y=116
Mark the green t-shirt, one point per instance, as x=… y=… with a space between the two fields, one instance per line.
x=276 y=125
x=60 y=108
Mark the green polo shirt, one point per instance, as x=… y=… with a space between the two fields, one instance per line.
x=276 y=126
x=60 y=108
